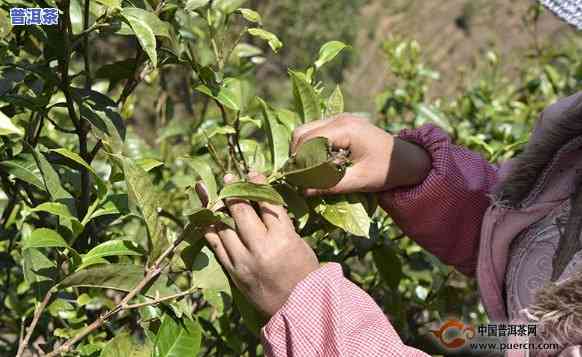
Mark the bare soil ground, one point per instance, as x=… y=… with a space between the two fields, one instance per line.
x=454 y=34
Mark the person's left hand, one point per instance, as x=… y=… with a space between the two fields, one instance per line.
x=265 y=257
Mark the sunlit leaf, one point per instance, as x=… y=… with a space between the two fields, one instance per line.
x=158 y=27
x=124 y=345
x=177 y=338
x=205 y=172
x=192 y=5
x=225 y=94
x=278 y=136
x=251 y=15
x=145 y=36
x=271 y=39
x=146 y=198
x=328 y=52
x=306 y=99
x=7 y=127
x=114 y=248
x=347 y=212
x=44 y=238
x=335 y=103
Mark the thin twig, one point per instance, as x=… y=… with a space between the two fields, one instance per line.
x=232 y=145
x=157 y=301
x=60 y=128
x=237 y=142
x=151 y=273
x=94 y=152
x=37 y=313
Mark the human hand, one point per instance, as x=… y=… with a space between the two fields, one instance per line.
x=380 y=161
x=264 y=257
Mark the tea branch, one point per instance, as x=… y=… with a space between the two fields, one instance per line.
x=37 y=313
x=234 y=148
x=151 y=273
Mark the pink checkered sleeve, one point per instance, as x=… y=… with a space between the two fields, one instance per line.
x=327 y=315
x=444 y=213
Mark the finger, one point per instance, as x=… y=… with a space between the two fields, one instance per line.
x=248 y=223
x=305 y=128
x=218 y=248
x=273 y=216
x=233 y=244
x=351 y=182
x=338 y=135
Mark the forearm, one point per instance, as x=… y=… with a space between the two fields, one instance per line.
x=327 y=315
x=409 y=166
x=443 y=213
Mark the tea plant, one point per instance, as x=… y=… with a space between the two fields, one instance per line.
x=102 y=243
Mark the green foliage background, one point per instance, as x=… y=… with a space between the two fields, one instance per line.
x=107 y=123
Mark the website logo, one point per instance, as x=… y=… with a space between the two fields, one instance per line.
x=454 y=334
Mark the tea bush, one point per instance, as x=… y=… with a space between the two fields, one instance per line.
x=100 y=234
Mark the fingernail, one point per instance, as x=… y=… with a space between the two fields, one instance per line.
x=229 y=178
x=253 y=174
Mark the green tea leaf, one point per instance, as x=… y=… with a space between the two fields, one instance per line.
x=148 y=164
x=251 y=15
x=158 y=27
x=55 y=208
x=24 y=168
x=146 y=198
x=271 y=39
x=251 y=191
x=44 y=238
x=389 y=265
x=252 y=318
x=295 y=203
x=312 y=166
x=208 y=274
x=306 y=99
x=228 y=6
x=203 y=170
x=347 y=212
x=113 y=248
x=102 y=188
x=7 y=127
x=278 y=136
x=225 y=95
x=145 y=36
x=203 y=217
x=123 y=277
x=110 y=3
x=328 y=52
x=192 y=5
x=430 y=114
x=177 y=338
x=51 y=179
x=335 y=103
x=39 y=271
x=124 y=345
x=103 y=114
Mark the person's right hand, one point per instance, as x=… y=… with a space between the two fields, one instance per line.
x=380 y=161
